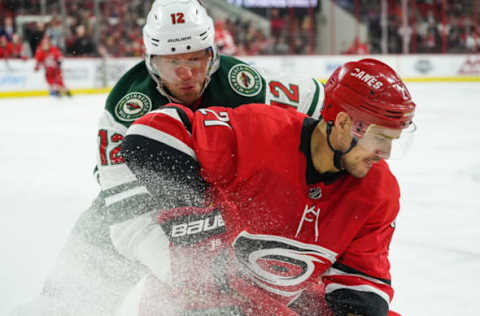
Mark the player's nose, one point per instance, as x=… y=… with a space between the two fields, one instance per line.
x=184 y=73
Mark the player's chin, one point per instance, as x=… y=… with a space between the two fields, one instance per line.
x=359 y=173
x=189 y=91
x=187 y=98
x=361 y=169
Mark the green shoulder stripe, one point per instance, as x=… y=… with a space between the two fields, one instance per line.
x=312 y=107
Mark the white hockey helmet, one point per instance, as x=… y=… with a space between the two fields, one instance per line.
x=177 y=27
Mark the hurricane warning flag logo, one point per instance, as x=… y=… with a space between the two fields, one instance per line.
x=133 y=106
x=245 y=80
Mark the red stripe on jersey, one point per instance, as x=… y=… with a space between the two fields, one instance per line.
x=163 y=122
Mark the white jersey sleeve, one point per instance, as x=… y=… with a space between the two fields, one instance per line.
x=305 y=95
x=116 y=181
x=142 y=239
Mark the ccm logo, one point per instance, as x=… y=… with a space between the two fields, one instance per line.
x=202 y=225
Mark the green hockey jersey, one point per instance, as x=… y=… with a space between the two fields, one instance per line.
x=233 y=84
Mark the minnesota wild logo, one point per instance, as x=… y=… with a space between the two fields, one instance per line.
x=245 y=80
x=133 y=106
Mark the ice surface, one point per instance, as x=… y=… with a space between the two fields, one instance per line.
x=47 y=154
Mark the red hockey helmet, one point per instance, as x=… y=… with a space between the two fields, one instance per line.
x=371 y=93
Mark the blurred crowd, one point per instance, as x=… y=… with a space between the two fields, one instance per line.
x=117 y=30
x=117 y=33
x=288 y=34
x=431 y=28
x=291 y=32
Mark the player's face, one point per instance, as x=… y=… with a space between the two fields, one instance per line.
x=375 y=145
x=359 y=161
x=184 y=74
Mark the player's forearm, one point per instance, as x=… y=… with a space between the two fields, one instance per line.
x=172 y=177
x=142 y=239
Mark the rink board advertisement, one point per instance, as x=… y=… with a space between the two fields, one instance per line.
x=411 y=68
x=97 y=75
x=81 y=75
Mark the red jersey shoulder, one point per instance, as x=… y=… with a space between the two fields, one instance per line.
x=52 y=52
x=382 y=180
x=236 y=142
x=381 y=187
x=56 y=52
x=170 y=111
x=171 y=122
x=375 y=197
x=39 y=54
x=263 y=128
x=214 y=143
x=264 y=115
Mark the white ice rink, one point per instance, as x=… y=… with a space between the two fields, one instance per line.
x=47 y=154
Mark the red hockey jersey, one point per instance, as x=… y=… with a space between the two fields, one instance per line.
x=48 y=58
x=6 y=51
x=224 y=41
x=287 y=225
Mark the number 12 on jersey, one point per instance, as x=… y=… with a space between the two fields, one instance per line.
x=292 y=93
x=109 y=148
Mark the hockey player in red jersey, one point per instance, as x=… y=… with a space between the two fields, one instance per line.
x=224 y=39
x=301 y=211
x=50 y=57
x=6 y=48
x=181 y=65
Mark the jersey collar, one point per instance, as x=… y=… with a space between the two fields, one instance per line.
x=312 y=176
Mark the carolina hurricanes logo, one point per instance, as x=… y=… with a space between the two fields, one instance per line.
x=279 y=261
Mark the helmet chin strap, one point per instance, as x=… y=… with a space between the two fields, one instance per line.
x=337 y=154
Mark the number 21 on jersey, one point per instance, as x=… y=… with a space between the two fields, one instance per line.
x=220 y=118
